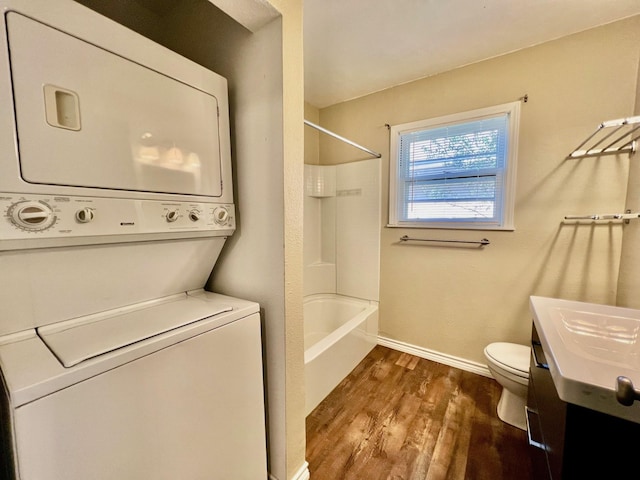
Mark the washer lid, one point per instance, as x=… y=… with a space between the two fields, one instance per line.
x=510 y=355
x=77 y=340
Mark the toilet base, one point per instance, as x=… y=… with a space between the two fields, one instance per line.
x=511 y=409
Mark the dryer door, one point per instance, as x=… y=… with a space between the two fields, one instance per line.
x=89 y=118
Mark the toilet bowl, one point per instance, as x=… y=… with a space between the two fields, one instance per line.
x=509 y=365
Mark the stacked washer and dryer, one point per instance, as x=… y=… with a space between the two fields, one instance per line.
x=116 y=200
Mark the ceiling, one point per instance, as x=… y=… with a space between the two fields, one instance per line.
x=356 y=47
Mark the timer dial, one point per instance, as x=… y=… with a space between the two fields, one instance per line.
x=31 y=216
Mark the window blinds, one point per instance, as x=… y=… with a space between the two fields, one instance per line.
x=454 y=172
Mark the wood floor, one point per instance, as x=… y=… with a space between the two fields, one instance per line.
x=400 y=417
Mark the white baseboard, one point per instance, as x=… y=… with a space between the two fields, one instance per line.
x=457 y=362
x=302 y=474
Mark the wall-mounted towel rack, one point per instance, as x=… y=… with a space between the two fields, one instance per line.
x=611 y=137
x=406 y=238
x=607 y=216
x=341 y=138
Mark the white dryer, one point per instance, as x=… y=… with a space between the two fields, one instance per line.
x=116 y=200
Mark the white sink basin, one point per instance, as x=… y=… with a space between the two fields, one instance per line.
x=587 y=347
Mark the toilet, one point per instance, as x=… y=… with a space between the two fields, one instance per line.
x=509 y=365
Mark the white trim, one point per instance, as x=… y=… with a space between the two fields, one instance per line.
x=301 y=474
x=251 y=14
x=457 y=362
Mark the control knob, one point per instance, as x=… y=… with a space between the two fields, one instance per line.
x=85 y=215
x=31 y=215
x=194 y=215
x=220 y=215
x=172 y=216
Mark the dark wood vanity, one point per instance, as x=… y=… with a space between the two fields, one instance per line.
x=569 y=441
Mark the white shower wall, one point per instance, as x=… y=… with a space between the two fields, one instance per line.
x=358 y=229
x=319 y=229
x=342 y=229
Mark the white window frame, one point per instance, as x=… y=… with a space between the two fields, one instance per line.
x=512 y=110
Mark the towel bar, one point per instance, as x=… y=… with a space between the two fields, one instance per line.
x=406 y=238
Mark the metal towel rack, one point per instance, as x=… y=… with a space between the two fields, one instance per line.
x=625 y=133
x=607 y=216
x=406 y=238
x=341 y=138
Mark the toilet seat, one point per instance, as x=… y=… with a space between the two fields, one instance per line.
x=511 y=357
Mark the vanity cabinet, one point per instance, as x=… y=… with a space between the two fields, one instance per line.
x=569 y=441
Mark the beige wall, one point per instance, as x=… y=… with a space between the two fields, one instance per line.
x=293 y=142
x=457 y=300
x=311 y=135
x=629 y=279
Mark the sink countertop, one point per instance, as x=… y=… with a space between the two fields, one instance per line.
x=587 y=346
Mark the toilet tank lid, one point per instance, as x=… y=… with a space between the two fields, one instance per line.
x=510 y=354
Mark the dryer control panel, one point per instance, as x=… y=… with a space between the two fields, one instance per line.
x=31 y=216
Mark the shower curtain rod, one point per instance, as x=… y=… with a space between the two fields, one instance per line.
x=345 y=140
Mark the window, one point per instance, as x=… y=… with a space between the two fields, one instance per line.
x=456 y=171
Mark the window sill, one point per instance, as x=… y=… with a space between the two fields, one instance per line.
x=441 y=226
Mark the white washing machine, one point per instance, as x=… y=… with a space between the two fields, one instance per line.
x=167 y=390
x=116 y=201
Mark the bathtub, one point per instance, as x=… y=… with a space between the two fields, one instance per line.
x=339 y=332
